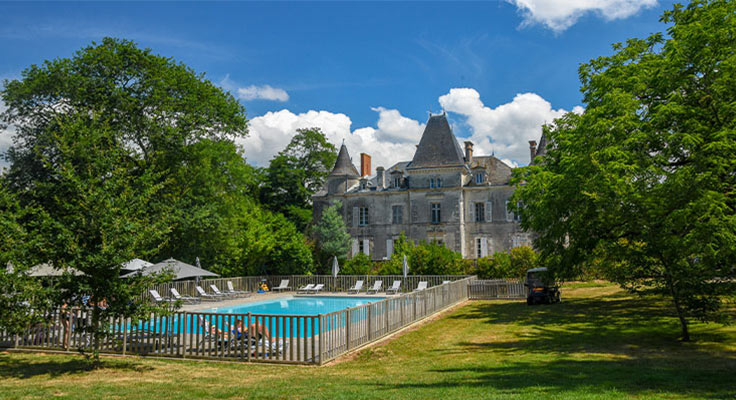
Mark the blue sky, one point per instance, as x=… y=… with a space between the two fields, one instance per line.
x=364 y=72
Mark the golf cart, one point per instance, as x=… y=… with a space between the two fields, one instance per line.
x=541 y=289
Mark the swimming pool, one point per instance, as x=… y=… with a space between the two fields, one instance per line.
x=300 y=312
x=296 y=305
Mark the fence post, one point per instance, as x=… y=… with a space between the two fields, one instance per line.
x=347 y=329
x=321 y=327
x=125 y=335
x=369 y=316
x=185 y=333
x=248 y=344
x=385 y=312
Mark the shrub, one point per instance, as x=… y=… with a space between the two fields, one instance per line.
x=360 y=264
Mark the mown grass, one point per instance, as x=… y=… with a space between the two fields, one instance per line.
x=600 y=343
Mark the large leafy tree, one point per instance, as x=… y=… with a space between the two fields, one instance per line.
x=100 y=138
x=298 y=172
x=642 y=183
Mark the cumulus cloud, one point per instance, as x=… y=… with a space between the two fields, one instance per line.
x=559 y=15
x=506 y=129
x=393 y=140
x=265 y=92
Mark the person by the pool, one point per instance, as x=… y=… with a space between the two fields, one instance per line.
x=239 y=329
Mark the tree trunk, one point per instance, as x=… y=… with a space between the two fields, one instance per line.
x=680 y=312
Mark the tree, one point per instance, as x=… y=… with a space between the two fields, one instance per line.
x=331 y=234
x=98 y=138
x=642 y=183
x=298 y=172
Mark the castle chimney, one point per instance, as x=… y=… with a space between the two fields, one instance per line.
x=468 y=151
x=532 y=150
x=380 y=177
x=365 y=164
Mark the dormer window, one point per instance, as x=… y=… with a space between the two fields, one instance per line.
x=363 y=185
x=479 y=178
x=397 y=181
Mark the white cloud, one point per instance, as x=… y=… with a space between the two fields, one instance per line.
x=6 y=139
x=265 y=92
x=506 y=129
x=394 y=140
x=559 y=15
x=253 y=92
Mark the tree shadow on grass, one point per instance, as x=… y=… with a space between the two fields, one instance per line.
x=26 y=366
x=615 y=344
x=616 y=325
x=575 y=377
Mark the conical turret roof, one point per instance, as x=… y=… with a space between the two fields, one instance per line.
x=343 y=165
x=438 y=146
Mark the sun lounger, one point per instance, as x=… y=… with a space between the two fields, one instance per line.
x=305 y=289
x=231 y=290
x=186 y=299
x=217 y=292
x=421 y=286
x=206 y=296
x=316 y=289
x=158 y=298
x=375 y=288
x=284 y=285
x=394 y=289
x=358 y=286
x=443 y=282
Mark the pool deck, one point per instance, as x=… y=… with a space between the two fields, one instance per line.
x=257 y=297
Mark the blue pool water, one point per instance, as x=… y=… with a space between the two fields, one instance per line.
x=296 y=305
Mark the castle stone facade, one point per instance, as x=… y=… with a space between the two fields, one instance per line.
x=443 y=195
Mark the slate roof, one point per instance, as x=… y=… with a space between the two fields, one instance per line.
x=438 y=146
x=343 y=165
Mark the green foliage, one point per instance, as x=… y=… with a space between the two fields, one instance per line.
x=360 y=264
x=402 y=247
x=496 y=266
x=435 y=259
x=423 y=258
x=296 y=173
x=643 y=182
x=511 y=265
x=331 y=234
x=23 y=298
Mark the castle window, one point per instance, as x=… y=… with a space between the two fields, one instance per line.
x=431 y=183
x=480 y=212
x=478 y=178
x=439 y=182
x=436 y=213
x=363 y=216
x=397 y=215
x=397 y=181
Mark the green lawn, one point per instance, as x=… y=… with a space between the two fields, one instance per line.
x=599 y=343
